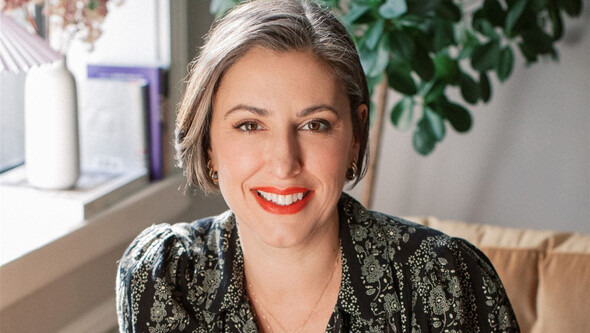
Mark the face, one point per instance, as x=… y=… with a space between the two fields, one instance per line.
x=281 y=141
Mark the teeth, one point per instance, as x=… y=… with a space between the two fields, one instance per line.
x=282 y=200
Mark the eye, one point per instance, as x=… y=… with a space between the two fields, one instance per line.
x=248 y=126
x=317 y=125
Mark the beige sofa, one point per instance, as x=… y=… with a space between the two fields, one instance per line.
x=546 y=274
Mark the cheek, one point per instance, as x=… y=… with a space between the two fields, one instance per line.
x=328 y=160
x=235 y=160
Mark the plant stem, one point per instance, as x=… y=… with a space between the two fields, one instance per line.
x=375 y=140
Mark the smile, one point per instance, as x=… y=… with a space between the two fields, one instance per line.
x=282 y=202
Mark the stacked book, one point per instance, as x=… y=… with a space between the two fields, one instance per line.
x=154 y=99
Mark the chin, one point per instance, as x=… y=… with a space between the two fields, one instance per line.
x=283 y=236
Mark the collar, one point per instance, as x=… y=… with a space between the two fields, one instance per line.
x=366 y=273
x=231 y=292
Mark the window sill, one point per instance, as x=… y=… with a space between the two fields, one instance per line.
x=69 y=247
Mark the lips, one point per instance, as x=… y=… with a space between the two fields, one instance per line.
x=282 y=201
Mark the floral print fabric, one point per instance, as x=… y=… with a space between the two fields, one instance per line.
x=397 y=276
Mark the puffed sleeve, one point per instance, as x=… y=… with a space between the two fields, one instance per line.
x=149 y=283
x=458 y=290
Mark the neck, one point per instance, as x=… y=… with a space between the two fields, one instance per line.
x=279 y=273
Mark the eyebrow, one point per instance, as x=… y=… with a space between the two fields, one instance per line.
x=265 y=113
x=250 y=108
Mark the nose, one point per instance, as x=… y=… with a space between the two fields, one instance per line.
x=284 y=155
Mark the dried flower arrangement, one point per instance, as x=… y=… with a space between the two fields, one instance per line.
x=80 y=18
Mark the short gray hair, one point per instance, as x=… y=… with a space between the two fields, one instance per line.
x=279 y=25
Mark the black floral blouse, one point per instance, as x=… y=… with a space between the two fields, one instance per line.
x=397 y=276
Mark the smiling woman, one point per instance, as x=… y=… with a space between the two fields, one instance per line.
x=275 y=117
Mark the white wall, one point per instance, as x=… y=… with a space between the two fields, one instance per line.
x=526 y=161
x=135 y=33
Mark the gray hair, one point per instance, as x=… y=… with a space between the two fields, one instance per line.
x=279 y=25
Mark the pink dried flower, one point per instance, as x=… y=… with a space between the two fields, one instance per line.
x=6 y=5
x=78 y=17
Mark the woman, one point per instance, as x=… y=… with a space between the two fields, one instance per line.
x=275 y=117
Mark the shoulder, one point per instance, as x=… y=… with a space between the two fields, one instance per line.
x=165 y=243
x=447 y=281
x=422 y=248
x=402 y=237
x=411 y=237
x=161 y=271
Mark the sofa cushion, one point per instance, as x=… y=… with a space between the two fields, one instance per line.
x=563 y=301
x=519 y=272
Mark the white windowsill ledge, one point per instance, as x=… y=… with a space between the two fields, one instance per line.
x=80 y=243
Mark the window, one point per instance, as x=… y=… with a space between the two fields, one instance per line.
x=11 y=110
x=11 y=120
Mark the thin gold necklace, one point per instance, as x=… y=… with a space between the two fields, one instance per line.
x=257 y=302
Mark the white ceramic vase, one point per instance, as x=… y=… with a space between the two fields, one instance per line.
x=51 y=127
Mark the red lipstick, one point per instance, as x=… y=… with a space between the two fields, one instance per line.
x=274 y=208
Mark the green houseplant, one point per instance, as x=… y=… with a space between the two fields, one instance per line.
x=425 y=48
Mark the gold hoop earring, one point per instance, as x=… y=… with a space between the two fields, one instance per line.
x=212 y=173
x=351 y=172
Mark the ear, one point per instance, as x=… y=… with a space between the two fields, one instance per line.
x=362 y=112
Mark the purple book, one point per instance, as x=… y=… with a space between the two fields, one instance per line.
x=155 y=77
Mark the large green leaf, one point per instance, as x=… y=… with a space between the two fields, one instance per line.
x=447 y=69
x=571 y=7
x=434 y=124
x=485 y=87
x=375 y=61
x=538 y=5
x=374 y=34
x=494 y=12
x=422 y=141
x=485 y=27
x=470 y=89
x=331 y=3
x=219 y=7
x=485 y=56
x=514 y=13
x=433 y=91
x=448 y=11
x=422 y=7
x=528 y=52
x=402 y=44
x=382 y=57
x=458 y=116
x=393 y=8
x=399 y=78
x=467 y=42
x=505 y=64
x=422 y=64
x=556 y=22
x=355 y=12
x=368 y=59
x=528 y=20
x=538 y=41
x=402 y=114
x=444 y=35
